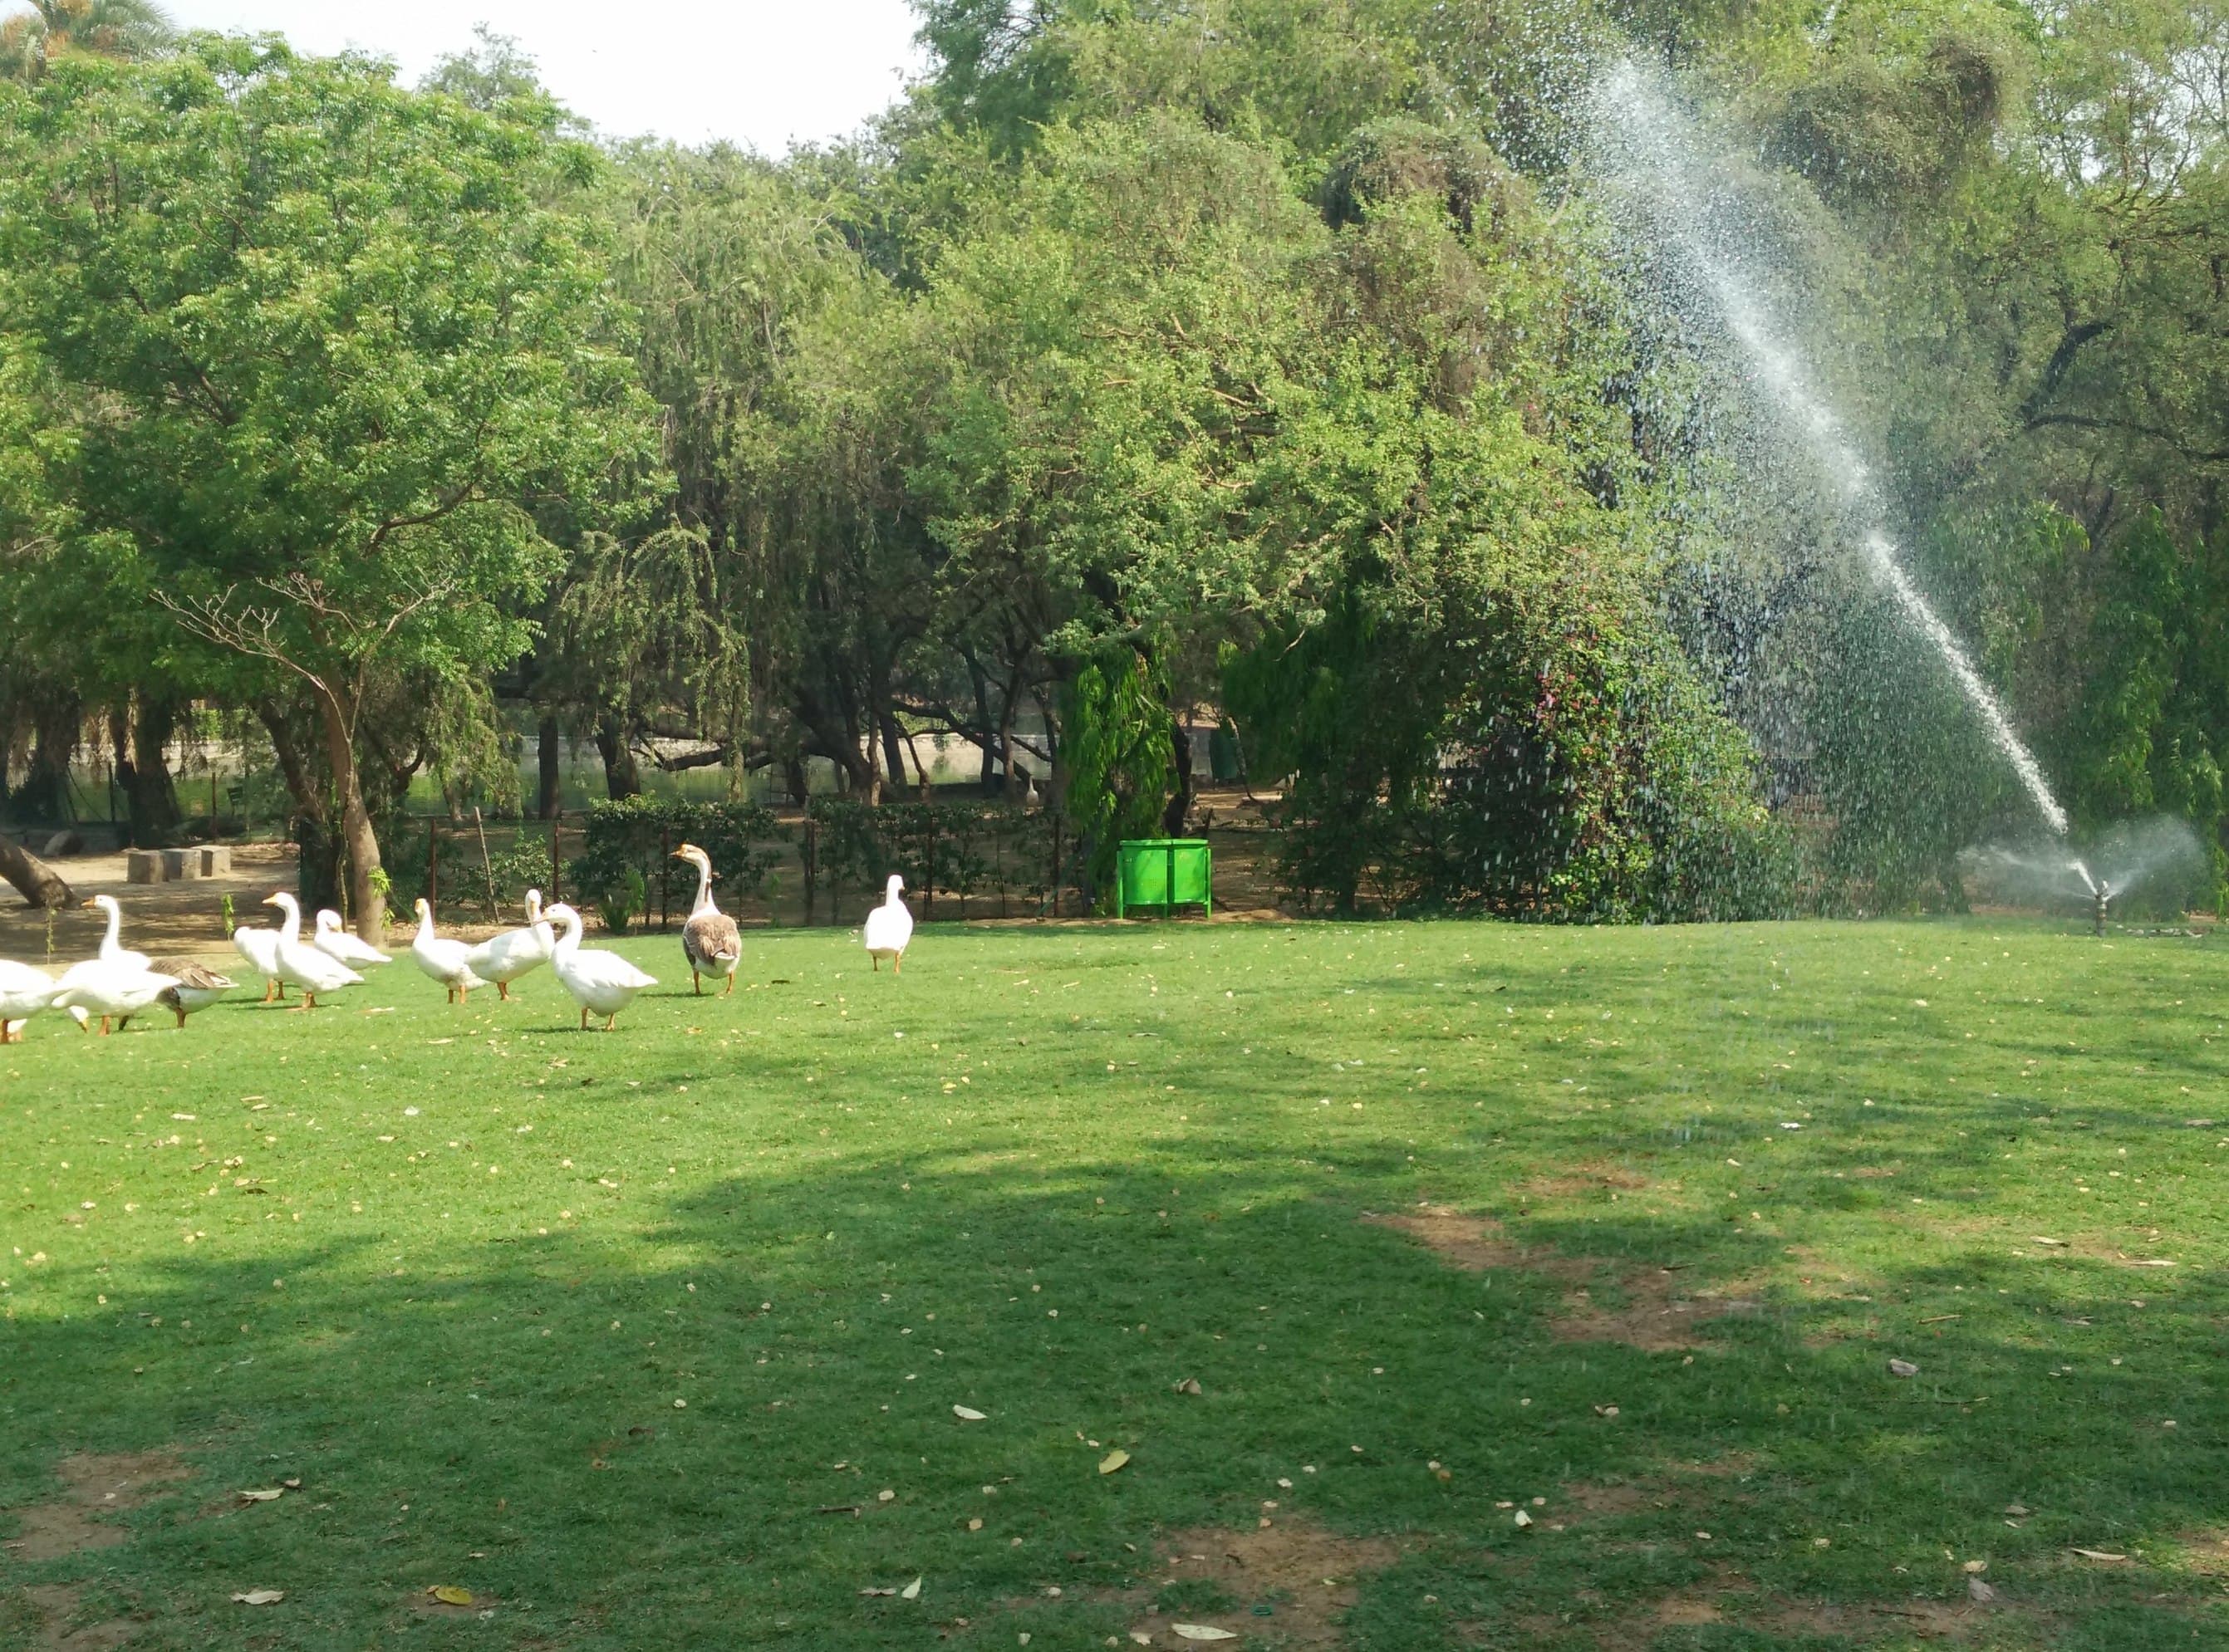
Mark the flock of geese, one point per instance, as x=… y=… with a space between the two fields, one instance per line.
x=119 y=984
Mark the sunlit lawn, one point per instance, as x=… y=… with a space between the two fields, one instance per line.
x=601 y=1328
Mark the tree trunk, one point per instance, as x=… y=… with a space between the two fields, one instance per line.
x=46 y=795
x=622 y=775
x=894 y=748
x=1006 y=736
x=151 y=795
x=1173 y=817
x=367 y=902
x=547 y=753
x=800 y=787
x=39 y=884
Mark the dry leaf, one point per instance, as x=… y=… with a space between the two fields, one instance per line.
x=1903 y=1368
x=1113 y=1461
x=449 y=1595
x=968 y=1414
x=976 y=1524
x=1979 y=1592
x=2040 y=1239
x=1141 y=1637
x=1189 y=1385
x=1524 y=1519
x=1201 y=1632
x=2016 y=1508
x=264 y=1495
x=911 y=1591
x=878 y=1591
x=1975 y=1565
x=260 y=1597
x=2099 y=1554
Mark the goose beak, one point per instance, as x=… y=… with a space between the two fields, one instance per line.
x=85 y=903
x=270 y=900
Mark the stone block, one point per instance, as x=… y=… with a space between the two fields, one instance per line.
x=179 y=864
x=216 y=860
x=144 y=866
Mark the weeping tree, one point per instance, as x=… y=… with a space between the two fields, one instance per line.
x=343 y=346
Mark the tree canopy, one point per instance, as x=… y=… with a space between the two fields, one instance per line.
x=1263 y=365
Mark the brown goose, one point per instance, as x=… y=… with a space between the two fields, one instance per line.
x=710 y=940
x=198 y=986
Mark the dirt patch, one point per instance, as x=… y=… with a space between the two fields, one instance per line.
x=1662 y=1311
x=57 y=1603
x=93 y=1484
x=1582 y=1501
x=1659 y=1314
x=1579 y=1181
x=2206 y=1553
x=1474 y=1244
x=1308 y=1579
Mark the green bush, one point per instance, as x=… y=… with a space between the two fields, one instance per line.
x=942 y=850
x=636 y=836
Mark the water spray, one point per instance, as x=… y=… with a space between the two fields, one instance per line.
x=1658 y=154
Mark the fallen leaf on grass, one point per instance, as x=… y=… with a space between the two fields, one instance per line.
x=911 y=1591
x=1903 y=1368
x=2016 y=1508
x=1202 y=1632
x=1524 y=1519
x=449 y=1595
x=967 y=1413
x=260 y=1597
x=1189 y=1385
x=878 y=1591
x=1113 y=1461
x=2099 y=1554
x=264 y=1495
x=1141 y=1637
x=2038 y=1240
x=1979 y=1592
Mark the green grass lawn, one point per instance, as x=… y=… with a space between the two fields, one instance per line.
x=600 y=1328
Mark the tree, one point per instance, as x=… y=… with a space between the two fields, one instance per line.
x=343 y=351
x=31 y=41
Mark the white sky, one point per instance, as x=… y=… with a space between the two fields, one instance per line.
x=764 y=73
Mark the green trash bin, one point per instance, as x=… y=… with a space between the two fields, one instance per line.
x=1164 y=872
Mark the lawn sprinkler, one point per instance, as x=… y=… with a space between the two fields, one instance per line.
x=2101 y=895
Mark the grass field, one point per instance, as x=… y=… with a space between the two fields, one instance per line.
x=653 y=1340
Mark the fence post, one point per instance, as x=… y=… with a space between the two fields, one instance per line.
x=664 y=853
x=928 y=868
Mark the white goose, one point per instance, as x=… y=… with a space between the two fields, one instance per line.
x=889 y=927
x=260 y=948
x=443 y=958
x=502 y=959
x=603 y=982
x=306 y=966
x=113 y=950
x=25 y=991
x=111 y=990
x=335 y=942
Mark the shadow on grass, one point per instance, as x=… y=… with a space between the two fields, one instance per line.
x=687 y=1440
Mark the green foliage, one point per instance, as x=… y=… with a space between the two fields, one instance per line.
x=338 y=341
x=621 y=901
x=1120 y=763
x=940 y=850
x=634 y=838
